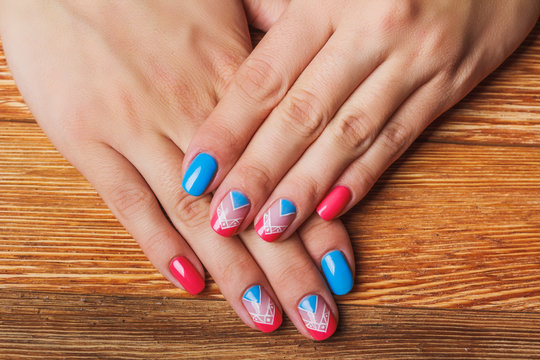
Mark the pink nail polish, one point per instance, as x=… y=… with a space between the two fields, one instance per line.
x=184 y=271
x=334 y=203
x=317 y=317
x=262 y=309
x=230 y=213
x=276 y=220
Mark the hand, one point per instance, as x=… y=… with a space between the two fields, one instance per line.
x=120 y=88
x=336 y=91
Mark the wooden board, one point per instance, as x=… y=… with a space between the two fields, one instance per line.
x=447 y=247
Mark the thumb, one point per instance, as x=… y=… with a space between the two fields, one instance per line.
x=262 y=14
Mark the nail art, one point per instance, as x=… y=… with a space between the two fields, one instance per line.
x=262 y=309
x=317 y=317
x=184 y=271
x=337 y=272
x=230 y=213
x=276 y=220
x=334 y=203
x=199 y=174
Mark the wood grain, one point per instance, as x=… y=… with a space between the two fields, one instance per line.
x=447 y=249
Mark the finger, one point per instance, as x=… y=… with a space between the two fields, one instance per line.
x=133 y=203
x=260 y=83
x=232 y=267
x=397 y=135
x=293 y=125
x=350 y=133
x=262 y=14
x=298 y=284
x=329 y=245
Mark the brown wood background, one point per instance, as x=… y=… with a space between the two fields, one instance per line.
x=447 y=247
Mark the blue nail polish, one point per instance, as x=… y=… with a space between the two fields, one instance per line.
x=199 y=174
x=337 y=272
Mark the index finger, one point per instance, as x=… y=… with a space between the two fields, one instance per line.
x=258 y=86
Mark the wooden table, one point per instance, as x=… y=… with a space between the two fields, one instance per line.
x=447 y=247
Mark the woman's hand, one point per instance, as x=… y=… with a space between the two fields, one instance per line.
x=336 y=91
x=120 y=88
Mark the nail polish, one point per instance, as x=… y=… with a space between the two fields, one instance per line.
x=230 y=213
x=334 y=203
x=184 y=271
x=337 y=272
x=317 y=317
x=199 y=174
x=276 y=220
x=262 y=309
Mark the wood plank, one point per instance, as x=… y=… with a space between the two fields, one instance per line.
x=44 y=325
x=447 y=226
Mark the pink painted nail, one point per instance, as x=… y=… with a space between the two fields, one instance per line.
x=317 y=317
x=230 y=213
x=184 y=271
x=334 y=203
x=262 y=309
x=276 y=220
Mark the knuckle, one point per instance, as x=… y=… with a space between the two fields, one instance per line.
x=303 y=113
x=256 y=176
x=156 y=243
x=260 y=81
x=397 y=14
x=353 y=131
x=232 y=272
x=226 y=140
x=396 y=137
x=131 y=201
x=191 y=211
x=299 y=271
x=364 y=179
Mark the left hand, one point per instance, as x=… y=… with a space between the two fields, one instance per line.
x=343 y=88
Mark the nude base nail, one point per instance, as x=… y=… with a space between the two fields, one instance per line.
x=264 y=313
x=317 y=317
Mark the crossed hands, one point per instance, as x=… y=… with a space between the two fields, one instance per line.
x=143 y=97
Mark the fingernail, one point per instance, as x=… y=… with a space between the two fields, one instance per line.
x=337 y=272
x=199 y=174
x=184 y=271
x=276 y=220
x=317 y=317
x=334 y=203
x=262 y=309
x=230 y=213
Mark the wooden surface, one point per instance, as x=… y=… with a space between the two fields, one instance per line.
x=447 y=247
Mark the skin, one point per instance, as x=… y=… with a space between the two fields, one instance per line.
x=337 y=90
x=120 y=88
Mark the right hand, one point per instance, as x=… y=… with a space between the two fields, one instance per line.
x=120 y=88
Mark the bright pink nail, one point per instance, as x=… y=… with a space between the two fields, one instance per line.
x=334 y=203
x=184 y=271
x=230 y=213
x=276 y=220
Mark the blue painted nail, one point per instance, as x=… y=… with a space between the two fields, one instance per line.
x=199 y=174
x=337 y=272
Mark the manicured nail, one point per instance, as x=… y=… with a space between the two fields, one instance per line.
x=334 y=203
x=262 y=309
x=230 y=213
x=337 y=272
x=317 y=317
x=276 y=220
x=199 y=174
x=184 y=271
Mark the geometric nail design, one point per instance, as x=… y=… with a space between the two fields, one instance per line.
x=230 y=213
x=334 y=203
x=337 y=273
x=186 y=274
x=262 y=309
x=276 y=220
x=317 y=317
x=199 y=174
